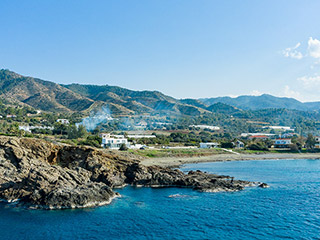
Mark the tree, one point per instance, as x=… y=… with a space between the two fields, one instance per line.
x=82 y=131
x=293 y=147
x=260 y=146
x=92 y=140
x=76 y=132
x=123 y=147
x=14 y=129
x=227 y=145
x=310 y=142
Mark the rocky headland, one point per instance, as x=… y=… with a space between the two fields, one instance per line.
x=40 y=174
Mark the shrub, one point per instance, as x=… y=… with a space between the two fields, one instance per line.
x=123 y=147
x=257 y=146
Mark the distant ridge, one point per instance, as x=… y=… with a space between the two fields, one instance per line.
x=262 y=102
x=53 y=97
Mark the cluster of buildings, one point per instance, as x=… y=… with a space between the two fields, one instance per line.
x=281 y=140
x=237 y=144
x=30 y=128
x=281 y=137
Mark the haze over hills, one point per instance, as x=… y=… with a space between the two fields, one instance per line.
x=125 y=101
x=53 y=97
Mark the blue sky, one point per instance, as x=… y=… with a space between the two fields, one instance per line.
x=183 y=48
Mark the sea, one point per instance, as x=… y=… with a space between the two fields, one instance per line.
x=289 y=209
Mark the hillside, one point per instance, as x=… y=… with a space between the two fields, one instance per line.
x=135 y=101
x=223 y=108
x=52 y=97
x=40 y=94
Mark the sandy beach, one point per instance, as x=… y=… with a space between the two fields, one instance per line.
x=177 y=161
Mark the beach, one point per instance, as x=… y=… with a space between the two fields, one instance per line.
x=177 y=161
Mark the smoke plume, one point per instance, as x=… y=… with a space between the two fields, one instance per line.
x=95 y=118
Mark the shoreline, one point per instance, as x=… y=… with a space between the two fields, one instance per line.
x=178 y=161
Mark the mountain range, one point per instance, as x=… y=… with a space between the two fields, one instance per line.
x=262 y=102
x=53 y=97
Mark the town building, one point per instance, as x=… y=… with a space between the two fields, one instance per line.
x=281 y=128
x=63 y=121
x=113 y=141
x=209 y=145
x=30 y=128
x=141 y=125
x=261 y=137
x=215 y=128
x=239 y=144
x=141 y=136
x=287 y=135
x=317 y=140
x=282 y=143
x=268 y=135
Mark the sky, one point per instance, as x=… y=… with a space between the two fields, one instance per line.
x=183 y=48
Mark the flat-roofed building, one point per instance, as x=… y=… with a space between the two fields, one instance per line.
x=113 y=141
x=282 y=143
x=209 y=145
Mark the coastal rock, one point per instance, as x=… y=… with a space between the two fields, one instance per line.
x=155 y=176
x=41 y=174
x=263 y=185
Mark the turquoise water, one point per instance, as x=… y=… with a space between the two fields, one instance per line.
x=289 y=209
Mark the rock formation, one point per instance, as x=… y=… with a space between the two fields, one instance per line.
x=41 y=174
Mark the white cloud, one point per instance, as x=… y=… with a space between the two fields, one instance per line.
x=314 y=47
x=310 y=82
x=315 y=64
x=292 y=52
x=288 y=92
x=233 y=96
x=310 y=87
x=256 y=93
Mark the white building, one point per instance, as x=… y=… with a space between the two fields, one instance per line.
x=239 y=144
x=141 y=124
x=30 y=128
x=287 y=135
x=269 y=135
x=141 y=136
x=63 y=121
x=113 y=141
x=206 y=127
x=282 y=128
x=209 y=145
x=282 y=143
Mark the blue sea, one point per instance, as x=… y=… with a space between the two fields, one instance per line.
x=289 y=209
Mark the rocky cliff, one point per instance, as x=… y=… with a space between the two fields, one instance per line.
x=39 y=174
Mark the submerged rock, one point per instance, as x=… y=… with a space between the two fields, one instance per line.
x=44 y=175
